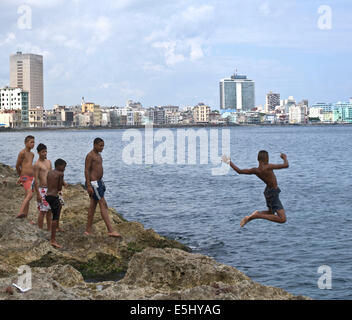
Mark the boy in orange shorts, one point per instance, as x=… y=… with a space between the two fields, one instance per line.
x=24 y=168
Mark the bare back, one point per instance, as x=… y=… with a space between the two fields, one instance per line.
x=55 y=180
x=94 y=166
x=24 y=165
x=266 y=174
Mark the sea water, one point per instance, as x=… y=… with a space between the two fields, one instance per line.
x=189 y=204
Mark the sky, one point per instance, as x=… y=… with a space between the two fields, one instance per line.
x=175 y=52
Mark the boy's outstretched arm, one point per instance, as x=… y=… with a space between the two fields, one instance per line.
x=280 y=166
x=227 y=160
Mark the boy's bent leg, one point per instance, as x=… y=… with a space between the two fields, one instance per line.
x=267 y=215
x=105 y=215
x=91 y=211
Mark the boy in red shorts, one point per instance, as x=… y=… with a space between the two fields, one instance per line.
x=24 y=168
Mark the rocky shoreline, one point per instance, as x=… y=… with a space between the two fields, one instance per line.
x=143 y=265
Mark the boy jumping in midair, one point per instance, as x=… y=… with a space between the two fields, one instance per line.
x=265 y=173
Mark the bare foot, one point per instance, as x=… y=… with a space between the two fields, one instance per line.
x=114 y=234
x=55 y=244
x=87 y=233
x=32 y=222
x=246 y=219
x=60 y=230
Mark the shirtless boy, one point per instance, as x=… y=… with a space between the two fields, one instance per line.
x=55 y=181
x=24 y=168
x=41 y=169
x=265 y=173
x=93 y=172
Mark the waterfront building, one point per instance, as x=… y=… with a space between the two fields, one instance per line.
x=237 y=92
x=172 y=117
x=214 y=117
x=287 y=103
x=105 y=118
x=201 y=113
x=97 y=116
x=15 y=99
x=297 y=114
x=87 y=106
x=270 y=118
x=134 y=105
x=315 y=113
x=26 y=72
x=52 y=118
x=10 y=118
x=157 y=115
x=36 y=117
x=342 y=112
x=272 y=100
x=83 y=119
x=186 y=116
x=171 y=109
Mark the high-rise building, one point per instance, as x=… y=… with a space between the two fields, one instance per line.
x=237 y=92
x=26 y=72
x=272 y=100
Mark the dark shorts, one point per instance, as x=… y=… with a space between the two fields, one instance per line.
x=99 y=189
x=272 y=199
x=55 y=205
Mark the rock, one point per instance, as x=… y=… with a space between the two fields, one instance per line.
x=150 y=266
x=175 y=274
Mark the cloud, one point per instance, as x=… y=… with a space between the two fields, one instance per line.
x=35 y=3
x=171 y=58
x=264 y=8
x=10 y=37
x=29 y=47
x=196 y=49
x=196 y=14
x=122 y=4
x=101 y=30
x=149 y=66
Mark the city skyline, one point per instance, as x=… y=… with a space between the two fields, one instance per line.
x=177 y=53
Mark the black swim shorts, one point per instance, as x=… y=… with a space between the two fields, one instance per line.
x=272 y=199
x=55 y=205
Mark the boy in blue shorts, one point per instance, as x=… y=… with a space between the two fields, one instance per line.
x=93 y=172
x=265 y=172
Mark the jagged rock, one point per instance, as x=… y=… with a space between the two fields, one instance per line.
x=152 y=266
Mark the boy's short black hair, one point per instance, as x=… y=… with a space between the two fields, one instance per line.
x=263 y=155
x=98 y=140
x=41 y=147
x=26 y=139
x=60 y=162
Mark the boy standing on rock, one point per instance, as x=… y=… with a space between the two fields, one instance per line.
x=24 y=168
x=93 y=173
x=265 y=172
x=41 y=169
x=55 y=181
